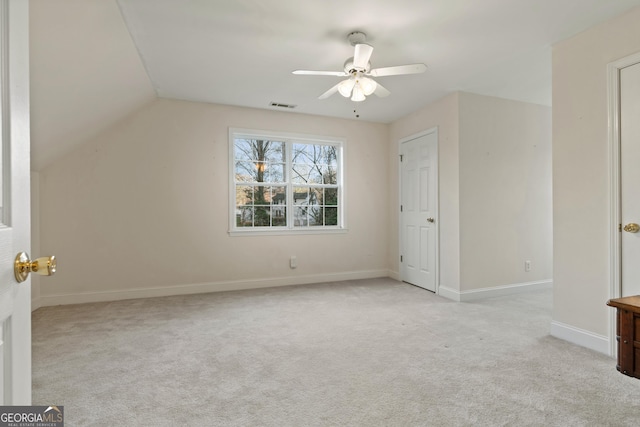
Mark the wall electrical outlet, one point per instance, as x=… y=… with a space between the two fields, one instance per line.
x=293 y=262
x=527 y=265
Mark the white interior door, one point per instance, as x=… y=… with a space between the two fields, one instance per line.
x=15 y=299
x=630 y=179
x=418 y=216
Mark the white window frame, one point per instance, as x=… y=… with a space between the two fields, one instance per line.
x=288 y=139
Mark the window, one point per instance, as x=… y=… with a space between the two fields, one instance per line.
x=283 y=182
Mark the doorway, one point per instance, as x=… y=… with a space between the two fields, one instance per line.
x=629 y=180
x=419 y=210
x=624 y=137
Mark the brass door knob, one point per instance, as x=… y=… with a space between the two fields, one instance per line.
x=431 y=220
x=632 y=228
x=45 y=266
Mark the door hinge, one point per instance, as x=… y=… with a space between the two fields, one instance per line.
x=400 y=258
x=620 y=228
x=400 y=208
x=401 y=156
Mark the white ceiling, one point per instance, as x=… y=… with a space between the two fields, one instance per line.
x=242 y=52
x=94 y=62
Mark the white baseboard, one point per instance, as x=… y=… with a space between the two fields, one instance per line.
x=200 y=288
x=395 y=275
x=449 y=293
x=35 y=304
x=495 y=291
x=581 y=337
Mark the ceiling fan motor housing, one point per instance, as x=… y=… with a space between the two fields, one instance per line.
x=350 y=69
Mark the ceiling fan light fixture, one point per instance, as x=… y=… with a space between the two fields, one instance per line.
x=358 y=94
x=346 y=86
x=367 y=85
x=358 y=71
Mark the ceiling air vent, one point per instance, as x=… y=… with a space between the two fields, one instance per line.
x=281 y=105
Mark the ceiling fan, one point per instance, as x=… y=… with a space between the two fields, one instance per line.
x=359 y=83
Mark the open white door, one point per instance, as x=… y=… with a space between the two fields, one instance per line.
x=15 y=298
x=418 y=216
x=630 y=179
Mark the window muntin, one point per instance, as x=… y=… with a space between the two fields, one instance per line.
x=285 y=183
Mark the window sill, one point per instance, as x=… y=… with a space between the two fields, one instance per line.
x=288 y=232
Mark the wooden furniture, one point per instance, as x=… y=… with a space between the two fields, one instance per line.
x=628 y=334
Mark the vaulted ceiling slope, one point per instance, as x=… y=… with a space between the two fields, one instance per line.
x=93 y=62
x=86 y=74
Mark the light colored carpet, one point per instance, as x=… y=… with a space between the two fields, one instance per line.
x=357 y=353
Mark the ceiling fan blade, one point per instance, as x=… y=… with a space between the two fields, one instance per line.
x=329 y=92
x=362 y=55
x=398 y=70
x=320 y=73
x=381 y=91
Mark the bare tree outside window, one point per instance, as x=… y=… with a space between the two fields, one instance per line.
x=285 y=184
x=316 y=166
x=259 y=161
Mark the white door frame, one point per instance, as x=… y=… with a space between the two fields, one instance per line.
x=433 y=130
x=615 y=291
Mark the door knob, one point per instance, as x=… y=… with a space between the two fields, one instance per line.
x=431 y=220
x=632 y=228
x=45 y=266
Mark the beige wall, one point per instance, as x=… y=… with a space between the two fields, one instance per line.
x=142 y=210
x=581 y=184
x=505 y=192
x=494 y=159
x=442 y=114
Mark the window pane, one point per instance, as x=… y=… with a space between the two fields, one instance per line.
x=300 y=196
x=330 y=216
x=271 y=151
x=315 y=196
x=316 y=214
x=258 y=171
x=244 y=195
x=279 y=216
x=307 y=163
x=330 y=175
x=300 y=216
x=244 y=217
x=242 y=149
x=259 y=149
x=315 y=175
x=245 y=171
x=263 y=195
x=279 y=196
x=300 y=173
x=301 y=153
x=262 y=216
x=330 y=196
x=274 y=172
x=331 y=156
